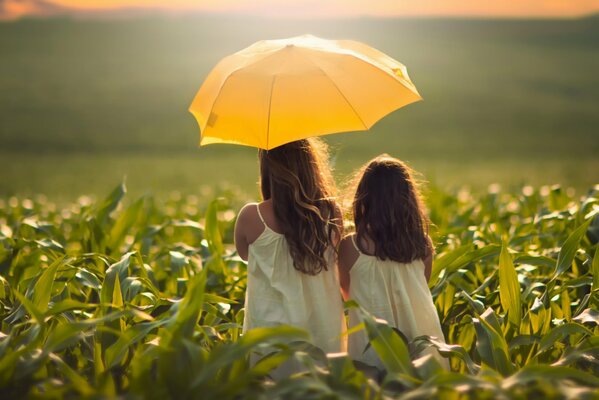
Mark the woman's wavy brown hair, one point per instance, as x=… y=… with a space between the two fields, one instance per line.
x=297 y=177
x=388 y=210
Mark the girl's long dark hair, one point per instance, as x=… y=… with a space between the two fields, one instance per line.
x=388 y=210
x=297 y=177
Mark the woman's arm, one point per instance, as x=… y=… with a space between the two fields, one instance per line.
x=241 y=241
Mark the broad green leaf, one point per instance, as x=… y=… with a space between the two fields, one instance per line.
x=123 y=224
x=569 y=248
x=62 y=335
x=389 y=346
x=68 y=305
x=110 y=204
x=117 y=295
x=226 y=354
x=548 y=373
x=115 y=353
x=560 y=332
x=43 y=287
x=491 y=344
x=452 y=349
x=445 y=261
x=189 y=309
x=509 y=288
x=427 y=367
x=79 y=382
x=212 y=230
x=119 y=268
x=36 y=313
x=264 y=335
x=595 y=270
x=88 y=279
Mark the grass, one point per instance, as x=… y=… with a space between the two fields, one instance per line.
x=504 y=101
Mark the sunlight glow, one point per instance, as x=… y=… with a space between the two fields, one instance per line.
x=311 y=8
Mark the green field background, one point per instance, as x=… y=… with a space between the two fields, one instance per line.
x=85 y=102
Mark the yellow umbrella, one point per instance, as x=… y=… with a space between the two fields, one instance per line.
x=277 y=91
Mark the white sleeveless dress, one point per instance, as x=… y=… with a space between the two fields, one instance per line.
x=397 y=293
x=278 y=294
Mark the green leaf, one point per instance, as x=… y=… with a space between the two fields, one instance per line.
x=110 y=204
x=491 y=344
x=77 y=381
x=212 y=230
x=595 y=270
x=189 y=309
x=62 y=335
x=445 y=261
x=569 y=249
x=30 y=307
x=119 y=268
x=452 y=349
x=43 y=287
x=262 y=335
x=560 y=332
x=228 y=353
x=88 y=279
x=117 y=295
x=115 y=352
x=546 y=373
x=67 y=305
x=389 y=346
x=509 y=288
x=123 y=224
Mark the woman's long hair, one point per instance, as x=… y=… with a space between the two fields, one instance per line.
x=388 y=210
x=297 y=177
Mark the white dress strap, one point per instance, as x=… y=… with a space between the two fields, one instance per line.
x=353 y=240
x=260 y=214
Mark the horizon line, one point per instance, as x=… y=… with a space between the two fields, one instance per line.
x=145 y=12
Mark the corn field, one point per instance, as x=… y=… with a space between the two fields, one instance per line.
x=136 y=298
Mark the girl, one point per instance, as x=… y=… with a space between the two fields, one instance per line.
x=386 y=264
x=290 y=241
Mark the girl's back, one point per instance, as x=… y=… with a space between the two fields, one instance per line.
x=395 y=292
x=385 y=266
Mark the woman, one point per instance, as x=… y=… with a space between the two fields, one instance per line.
x=290 y=241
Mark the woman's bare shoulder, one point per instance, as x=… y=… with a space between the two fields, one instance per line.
x=249 y=222
x=248 y=215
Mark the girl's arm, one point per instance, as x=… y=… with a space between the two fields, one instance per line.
x=428 y=266
x=347 y=257
x=428 y=260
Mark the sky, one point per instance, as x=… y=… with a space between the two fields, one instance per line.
x=11 y=9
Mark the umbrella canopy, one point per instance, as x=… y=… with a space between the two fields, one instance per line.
x=277 y=91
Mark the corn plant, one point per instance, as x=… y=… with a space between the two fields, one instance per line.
x=144 y=299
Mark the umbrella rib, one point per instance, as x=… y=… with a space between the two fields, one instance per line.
x=338 y=90
x=272 y=85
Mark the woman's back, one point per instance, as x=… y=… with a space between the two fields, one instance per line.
x=288 y=241
x=277 y=293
